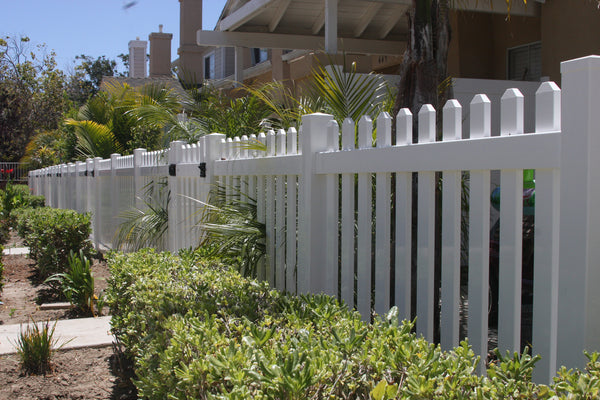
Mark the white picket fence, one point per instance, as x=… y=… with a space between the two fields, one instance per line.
x=328 y=211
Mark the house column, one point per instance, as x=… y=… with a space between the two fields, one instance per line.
x=331 y=23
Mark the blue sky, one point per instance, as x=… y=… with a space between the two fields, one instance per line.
x=95 y=27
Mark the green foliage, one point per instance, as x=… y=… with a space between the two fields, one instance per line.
x=233 y=230
x=146 y=226
x=52 y=234
x=94 y=140
x=197 y=329
x=345 y=93
x=236 y=116
x=1 y=269
x=12 y=199
x=77 y=284
x=32 y=94
x=36 y=346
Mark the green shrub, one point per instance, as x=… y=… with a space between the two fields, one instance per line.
x=77 y=284
x=52 y=234
x=36 y=346
x=12 y=199
x=198 y=330
x=1 y=270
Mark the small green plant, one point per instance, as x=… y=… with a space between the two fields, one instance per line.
x=36 y=346
x=77 y=284
x=11 y=313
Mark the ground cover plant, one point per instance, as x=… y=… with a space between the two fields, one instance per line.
x=197 y=329
x=52 y=234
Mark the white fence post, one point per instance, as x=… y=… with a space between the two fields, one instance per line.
x=579 y=253
x=311 y=210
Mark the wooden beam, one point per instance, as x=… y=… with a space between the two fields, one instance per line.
x=391 y=21
x=244 y=14
x=299 y=42
x=281 y=8
x=319 y=22
x=366 y=18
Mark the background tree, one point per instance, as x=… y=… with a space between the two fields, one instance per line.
x=32 y=96
x=85 y=82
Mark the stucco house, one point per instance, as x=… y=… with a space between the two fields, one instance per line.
x=263 y=40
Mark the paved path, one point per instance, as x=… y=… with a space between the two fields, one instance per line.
x=76 y=333
x=15 y=250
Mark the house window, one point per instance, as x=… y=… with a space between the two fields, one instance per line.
x=259 y=55
x=209 y=66
x=525 y=62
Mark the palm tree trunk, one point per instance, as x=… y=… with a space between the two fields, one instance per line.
x=423 y=81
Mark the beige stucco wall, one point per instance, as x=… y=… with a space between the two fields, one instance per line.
x=480 y=42
x=570 y=29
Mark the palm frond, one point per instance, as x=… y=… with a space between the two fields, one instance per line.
x=232 y=229
x=145 y=226
x=94 y=139
x=346 y=93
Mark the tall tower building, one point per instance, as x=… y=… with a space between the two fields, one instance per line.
x=137 y=58
x=190 y=57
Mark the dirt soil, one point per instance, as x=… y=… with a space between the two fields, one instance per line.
x=22 y=295
x=82 y=374
x=90 y=373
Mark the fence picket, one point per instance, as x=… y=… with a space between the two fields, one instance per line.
x=291 y=217
x=347 y=228
x=382 y=221
x=451 y=216
x=261 y=201
x=403 y=272
x=511 y=231
x=364 y=219
x=546 y=242
x=479 y=236
x=425 y=231
x=331 y=221
x=280 y=217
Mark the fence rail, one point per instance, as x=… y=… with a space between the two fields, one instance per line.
x=13 y=172
x=339 y=212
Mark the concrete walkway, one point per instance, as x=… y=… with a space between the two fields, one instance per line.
x=73 y=333
x=11 y=251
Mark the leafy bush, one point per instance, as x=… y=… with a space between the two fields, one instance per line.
x=198 y=329
x=77 y=284
x=1 y=270
x=36 y=346
x=52 y=234
x=12 y=199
